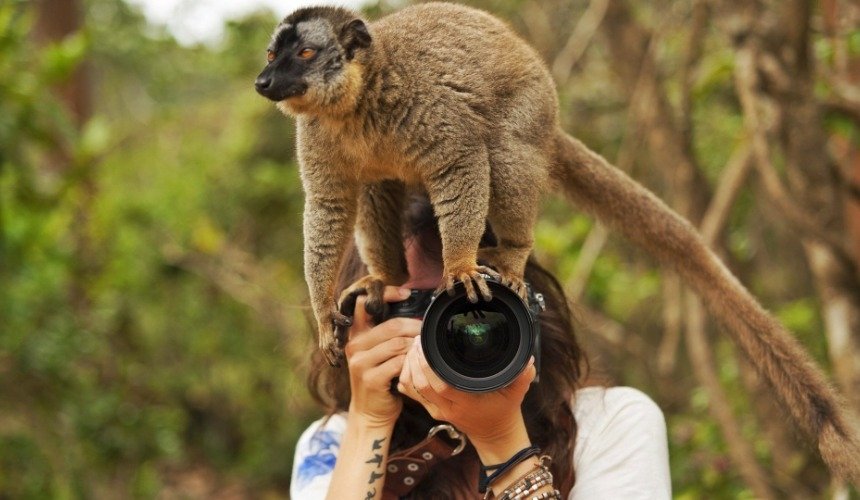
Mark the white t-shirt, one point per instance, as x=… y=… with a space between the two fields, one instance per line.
x=621 y=451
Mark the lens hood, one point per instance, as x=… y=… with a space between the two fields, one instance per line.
x=483 y=346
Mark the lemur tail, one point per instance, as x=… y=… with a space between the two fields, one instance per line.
x=620 y=202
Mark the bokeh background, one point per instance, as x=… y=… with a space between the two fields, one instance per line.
x=154 y=331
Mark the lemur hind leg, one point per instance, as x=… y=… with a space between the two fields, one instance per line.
x=459 y=190
x=517 y=184
x=379 y=239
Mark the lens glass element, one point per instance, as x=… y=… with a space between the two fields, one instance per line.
x=479 y=339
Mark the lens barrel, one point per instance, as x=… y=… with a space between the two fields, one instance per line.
x=479 y=347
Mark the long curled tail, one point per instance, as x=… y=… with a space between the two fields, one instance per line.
x=620 y=202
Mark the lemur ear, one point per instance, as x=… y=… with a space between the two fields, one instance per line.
x=354 y=36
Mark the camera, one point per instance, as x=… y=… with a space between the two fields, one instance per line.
x=476 y=347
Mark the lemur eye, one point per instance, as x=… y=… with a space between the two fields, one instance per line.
x=270 y=55
x=307 y=53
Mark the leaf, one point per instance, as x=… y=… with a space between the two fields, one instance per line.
x=206 y=237
x=95 y=138
x=60 y=60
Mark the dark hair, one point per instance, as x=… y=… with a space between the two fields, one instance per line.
x=547 y=404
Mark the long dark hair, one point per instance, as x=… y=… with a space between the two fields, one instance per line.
x=547 y=404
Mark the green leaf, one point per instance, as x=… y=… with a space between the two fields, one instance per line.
x=95 y=137
x=59 y=60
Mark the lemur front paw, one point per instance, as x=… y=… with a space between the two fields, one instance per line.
x=473 y=279
x=332 y=336
x=517 y=284
x=373 y=287
x=507 y=274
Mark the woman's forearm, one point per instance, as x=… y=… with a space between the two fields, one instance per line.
x=360 y=465
x=497 y=445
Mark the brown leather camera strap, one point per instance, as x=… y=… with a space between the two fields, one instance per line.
x=406 y=468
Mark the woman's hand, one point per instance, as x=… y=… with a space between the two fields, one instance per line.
x=493 y=421
x=375 y=356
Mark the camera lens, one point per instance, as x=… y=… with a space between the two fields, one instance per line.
x=477 y=339
x=478 y=347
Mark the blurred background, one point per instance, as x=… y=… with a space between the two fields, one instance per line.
x=154 y=330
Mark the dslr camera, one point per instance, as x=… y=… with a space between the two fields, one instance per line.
x=476 y=347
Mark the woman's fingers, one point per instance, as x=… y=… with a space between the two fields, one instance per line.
x=385 y=350
x=382 y=375
x=404 y=385
x=394 y=327
x=521 y=384
x=363 y=335
x=438 y=385
x=361 y=320
x=420 y=385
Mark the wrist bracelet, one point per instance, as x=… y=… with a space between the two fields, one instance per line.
x=530 y=482
x=484 y=480
x=527 y=487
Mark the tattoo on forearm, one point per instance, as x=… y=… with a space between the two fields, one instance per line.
x=376 y=460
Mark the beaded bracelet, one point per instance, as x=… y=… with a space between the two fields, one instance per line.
x=532 y=481
x=528 y=488
x=525 y=483
x=554 y=495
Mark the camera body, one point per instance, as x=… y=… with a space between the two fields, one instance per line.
x=476 y=347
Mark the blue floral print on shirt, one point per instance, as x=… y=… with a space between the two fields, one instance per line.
x=322 y=453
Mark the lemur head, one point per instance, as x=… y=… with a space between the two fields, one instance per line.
x=312 y=66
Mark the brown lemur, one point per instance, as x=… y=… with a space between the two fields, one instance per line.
x=449 y=100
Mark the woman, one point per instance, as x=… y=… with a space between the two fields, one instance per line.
x=599 y=443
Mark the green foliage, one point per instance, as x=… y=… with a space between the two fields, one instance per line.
x=121 y=366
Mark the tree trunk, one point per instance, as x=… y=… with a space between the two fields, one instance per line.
x=55 y=21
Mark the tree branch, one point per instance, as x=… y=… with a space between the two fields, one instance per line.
x=579 y=40
x=695 y=42
x=746 y=84
x=732 y=179
x=591 y=249
x=612 y=332
x=702 y=363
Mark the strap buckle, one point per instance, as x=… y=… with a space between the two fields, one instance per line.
x=452 y=433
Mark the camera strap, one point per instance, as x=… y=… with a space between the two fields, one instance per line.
x=406 y=468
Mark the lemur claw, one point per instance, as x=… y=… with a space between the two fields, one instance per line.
x=329 y=345
x=333 y=333
x=474 y=282
x=340 y=319
x=518 y=285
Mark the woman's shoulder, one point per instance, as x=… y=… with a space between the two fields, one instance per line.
x=621 y=445
x=591 y=403
x=617 y=411
x=331 y=425
x=316 y=452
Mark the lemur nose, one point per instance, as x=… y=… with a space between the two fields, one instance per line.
x=263 y=83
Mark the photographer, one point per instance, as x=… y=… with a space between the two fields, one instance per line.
x=596 y=442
